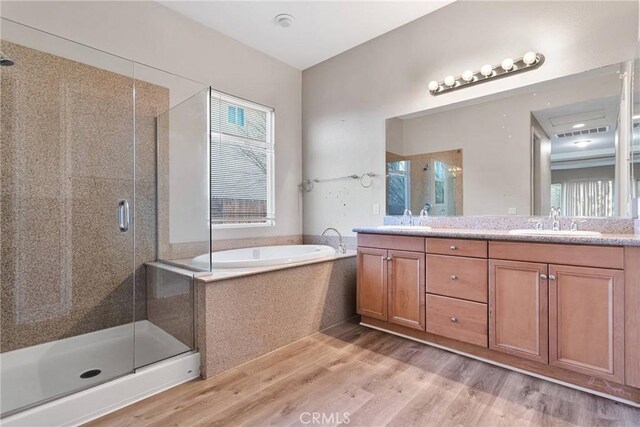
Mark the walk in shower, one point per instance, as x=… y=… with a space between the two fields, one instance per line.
x=83 y=215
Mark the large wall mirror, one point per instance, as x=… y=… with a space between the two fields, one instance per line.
x=564 y=143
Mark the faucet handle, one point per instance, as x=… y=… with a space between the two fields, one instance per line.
x=538 y=222
x=575 y=222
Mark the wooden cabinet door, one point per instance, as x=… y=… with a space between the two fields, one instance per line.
x=518 y=310
x=586 y=321
x=372 y=283
x=407 y=289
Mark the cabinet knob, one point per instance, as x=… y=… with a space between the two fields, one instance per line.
x=543 y=277
x=454 y=277
x=453 y=247
x=552 y=277
x=454 y=319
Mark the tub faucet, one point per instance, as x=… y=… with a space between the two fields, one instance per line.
x=341 y=247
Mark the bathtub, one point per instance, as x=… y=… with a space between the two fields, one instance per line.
x=264 y=256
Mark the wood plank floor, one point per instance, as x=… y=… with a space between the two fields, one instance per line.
x=378 y=379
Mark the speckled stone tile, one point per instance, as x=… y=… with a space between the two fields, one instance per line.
x=170 y=302
x=66 y=146
x=242 y=318
x=603 y=225
x=608 y=239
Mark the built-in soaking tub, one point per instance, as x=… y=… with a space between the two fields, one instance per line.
x=259 y=299
x=264 y=256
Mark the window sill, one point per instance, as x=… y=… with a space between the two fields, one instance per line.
x=231 y=226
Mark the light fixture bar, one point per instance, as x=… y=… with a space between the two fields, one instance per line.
x=530 y=61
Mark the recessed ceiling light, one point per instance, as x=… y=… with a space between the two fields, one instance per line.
x=578 y=125
x=636 y=117
x=284 y=20
x=582 y=143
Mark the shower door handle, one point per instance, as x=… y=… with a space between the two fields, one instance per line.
x=123 y=215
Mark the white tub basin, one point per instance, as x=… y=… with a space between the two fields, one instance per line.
x=562 y=233
x=264 y=256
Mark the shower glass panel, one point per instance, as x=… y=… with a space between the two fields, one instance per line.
x=171 y=165
x=184 y=232
x=68 y=206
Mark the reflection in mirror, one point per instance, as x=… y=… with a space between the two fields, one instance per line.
x=557 y=143
x=635 y=138
x=429 y=181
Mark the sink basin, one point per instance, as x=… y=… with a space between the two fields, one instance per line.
x=563 y=233
x=405 y=227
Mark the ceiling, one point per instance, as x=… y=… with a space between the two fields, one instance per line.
x=594 y=114
x=320 y=30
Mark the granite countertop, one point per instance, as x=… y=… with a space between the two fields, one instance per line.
x=458 y=233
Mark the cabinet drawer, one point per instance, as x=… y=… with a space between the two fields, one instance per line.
x=457 y=247
x=457 y=277
x=457 y=319
x=398 y=243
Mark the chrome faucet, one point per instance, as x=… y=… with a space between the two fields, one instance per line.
x=407 y=218
x=555 y=217
x=424 y=216
x=341 y=247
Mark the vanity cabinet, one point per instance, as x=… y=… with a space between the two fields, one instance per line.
x=581 y=307
x=371 y=293
x=391 y=280
x=563 y=311
x=586 y=321
x=518 y=309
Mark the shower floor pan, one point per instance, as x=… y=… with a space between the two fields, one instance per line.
x=46 y=371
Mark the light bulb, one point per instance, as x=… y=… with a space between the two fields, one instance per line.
x=434 y=86
x=486 y=70
x=467 y=76
x=530 y=58
x=578 y=125
x=450 y=81
x=507 y=64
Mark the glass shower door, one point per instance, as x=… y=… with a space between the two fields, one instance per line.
x=67 y=237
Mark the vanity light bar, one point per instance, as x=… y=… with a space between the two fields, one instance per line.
x=530 y=61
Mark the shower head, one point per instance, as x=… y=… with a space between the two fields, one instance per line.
x=5 y=61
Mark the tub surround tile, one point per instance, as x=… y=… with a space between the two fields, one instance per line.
x=170 y=302
x=605 y=239
x=603 y=225
x=242 y=318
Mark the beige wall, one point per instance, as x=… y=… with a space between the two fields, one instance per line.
x=147 y=32
x=347 y=98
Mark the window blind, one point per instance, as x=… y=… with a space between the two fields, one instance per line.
x=242 y=163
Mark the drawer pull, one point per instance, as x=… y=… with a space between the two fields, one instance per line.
x=454 y=247
x=454 y=319
x=454 y=277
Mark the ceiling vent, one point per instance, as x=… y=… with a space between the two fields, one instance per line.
x=583 y=132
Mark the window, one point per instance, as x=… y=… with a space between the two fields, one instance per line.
x=242 y=163
x=398 y=187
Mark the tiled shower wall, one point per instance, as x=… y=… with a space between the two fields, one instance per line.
x=67 y=159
